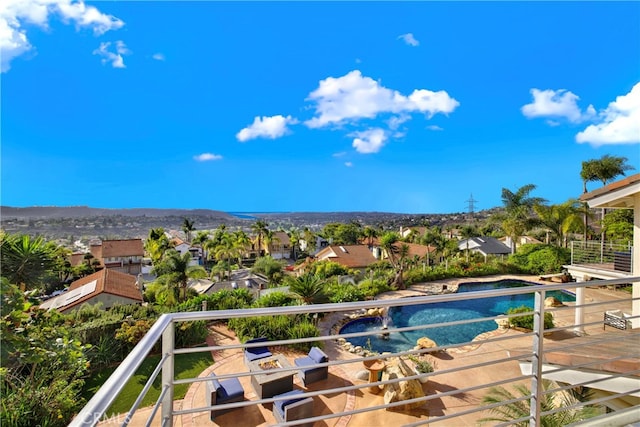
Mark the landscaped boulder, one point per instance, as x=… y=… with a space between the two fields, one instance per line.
x=402 y=390
x=425 y=342
x=553 y=302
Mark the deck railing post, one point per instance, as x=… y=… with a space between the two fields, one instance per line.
x=536 y=360
x=168 y=345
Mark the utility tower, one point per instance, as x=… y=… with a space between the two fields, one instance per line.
x=471 y=204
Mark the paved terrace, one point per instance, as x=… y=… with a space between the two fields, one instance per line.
x=231 y=361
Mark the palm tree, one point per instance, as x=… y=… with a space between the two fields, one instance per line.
x=241 y=242
x=310 y=239
x=605 y=169
x=397 y=254
x=294 y=238
x=517 y=217
x=269 y=239
x=157 y=244
x=27 y=261
x=549 y=402
x=188 y=227
x=468 y=231
x=370 y=233
x=309 y=288
x=174 y=271
x=260 y=229
x=560 y=219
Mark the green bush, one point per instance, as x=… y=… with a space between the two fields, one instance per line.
x=276 y=299
x=540 y=259
x=345 y=293
x=372 y=288
x=526 y=321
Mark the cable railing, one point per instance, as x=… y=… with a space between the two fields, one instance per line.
x=486 y=362
x=603 y=255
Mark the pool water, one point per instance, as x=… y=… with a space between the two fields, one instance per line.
x=427 y=314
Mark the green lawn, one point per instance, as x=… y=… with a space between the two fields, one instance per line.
x=186 y=366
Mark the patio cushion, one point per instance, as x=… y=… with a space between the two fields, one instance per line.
x=304 y=361
x=280 y=404
x=232 y=389
x=318 y=355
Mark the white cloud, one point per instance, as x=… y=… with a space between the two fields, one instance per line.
x=354 y=97
x=620 y=122
x=556 y=103
x=409 y=39
x=114 y=58
x=395 y=121
x=348 y=164
x=158 y=56
x=266 y=127
x=206 y=157
x=369 y=141
x=14 y=13
x=340 y=154
x=434 y=127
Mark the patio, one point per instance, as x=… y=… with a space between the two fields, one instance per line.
x=441 y=389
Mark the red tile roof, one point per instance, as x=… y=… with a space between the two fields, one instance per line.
x=352 y=256
x=122 y=248
x=107 y=281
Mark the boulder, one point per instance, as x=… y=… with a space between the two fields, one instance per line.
x=553 y=302
x=402 y=390
x=425 y=342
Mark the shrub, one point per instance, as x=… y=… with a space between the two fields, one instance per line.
x=276 y=299
x=372 y=288
x=540 y=259
x=526 y=321
x=345 y=293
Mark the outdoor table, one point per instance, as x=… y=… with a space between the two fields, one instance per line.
x=267 y=384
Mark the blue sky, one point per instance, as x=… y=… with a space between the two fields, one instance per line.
x=408 y=107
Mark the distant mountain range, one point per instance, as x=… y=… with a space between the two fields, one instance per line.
x=86 y=211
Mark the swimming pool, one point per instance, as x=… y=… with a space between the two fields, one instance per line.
x=426 y=314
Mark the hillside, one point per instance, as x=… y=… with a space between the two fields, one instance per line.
x=86 y=211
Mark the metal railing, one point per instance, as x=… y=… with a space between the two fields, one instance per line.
x=163 y=412
x=603 y=255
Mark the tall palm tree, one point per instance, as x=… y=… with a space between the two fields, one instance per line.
x=259 y=228
x=369 y=233
x=174 y=271
x=294 y=238
x=467 y=232
x=560 y=219
x=605 y=169
x=241 y=242
x=188 y=227
x=157 y=244
x=518 y=208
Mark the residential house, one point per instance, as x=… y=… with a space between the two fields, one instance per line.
x=321 y=243
x=485 y=245
x=122 y=255
x=279 y=247
x=416 y=251
x=107 y=286
x=407 y=231
x=183 y=247
x=522 y=240
x=350 y=256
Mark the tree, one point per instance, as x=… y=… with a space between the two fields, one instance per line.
x=549 y=402
x=188 y=227
x=157 y=244
x=618 y=225
x=467 y=232
x=260 y=229
x=517 y=217
x=397 y=253
x=241 y=242
x=269 y=267
x=309 y=288
x=559 y=220
x=28 y=261
x=369 y=233
x=174 y=272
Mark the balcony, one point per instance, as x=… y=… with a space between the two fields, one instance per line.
x=601 y=260
x=606 y=360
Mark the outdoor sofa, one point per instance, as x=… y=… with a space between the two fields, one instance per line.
x=293 y=408
x=312 y=373
x=255 y=353
x=224 y=391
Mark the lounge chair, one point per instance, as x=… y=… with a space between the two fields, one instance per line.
x=312 y=373
x=255 y=353
x=293 y=408
x=224 y=391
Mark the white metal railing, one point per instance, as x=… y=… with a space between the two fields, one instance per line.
x=164 y=329
x=604 y=255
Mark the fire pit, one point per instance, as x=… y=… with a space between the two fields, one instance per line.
x=269 y=364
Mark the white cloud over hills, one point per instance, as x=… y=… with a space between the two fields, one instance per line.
x=346 y=101
x=619 y=123
x=14 y=14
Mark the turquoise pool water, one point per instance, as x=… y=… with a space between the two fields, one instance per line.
x=426 y=314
